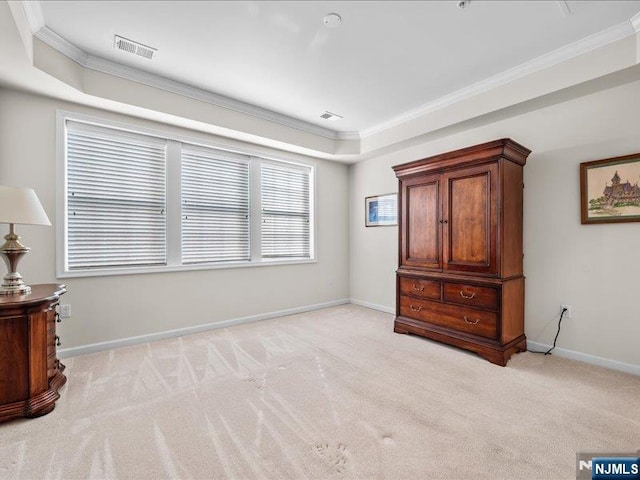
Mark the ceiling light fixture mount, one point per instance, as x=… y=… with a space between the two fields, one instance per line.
x=462 y=4
x=331 y=116
x=332 y=20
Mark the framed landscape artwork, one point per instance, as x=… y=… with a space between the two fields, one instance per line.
x=381 y=210
x=610 y=191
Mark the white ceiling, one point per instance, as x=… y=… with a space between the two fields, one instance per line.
x=386 y=59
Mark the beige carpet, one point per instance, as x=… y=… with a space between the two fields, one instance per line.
x=328 y=394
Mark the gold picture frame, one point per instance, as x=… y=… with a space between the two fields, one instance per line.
x=610 y=190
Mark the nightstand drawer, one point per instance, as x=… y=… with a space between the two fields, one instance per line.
x=468 y=320
x=420 y=288
x=471 y=295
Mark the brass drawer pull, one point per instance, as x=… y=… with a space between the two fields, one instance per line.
x=418 y=288
x=58 y=342
x=415 y=309
x=468 y=297
x=470 y=322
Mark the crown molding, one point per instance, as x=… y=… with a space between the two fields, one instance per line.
x=33 y=12
x=587 y=44
x=348 y=136
x=129 y=73
x=635 y=22
x=62 y=45
x=99 y=64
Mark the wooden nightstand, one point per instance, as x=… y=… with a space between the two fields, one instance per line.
x=30 y=372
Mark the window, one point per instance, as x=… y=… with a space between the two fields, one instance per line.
x=285 y=211
x=215 y=207
x=134 y=202
x=115 y=199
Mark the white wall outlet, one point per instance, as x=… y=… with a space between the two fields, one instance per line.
x=65 y=311
x=569 y=311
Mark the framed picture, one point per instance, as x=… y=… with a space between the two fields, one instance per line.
x=609 y=190
x=381 y=210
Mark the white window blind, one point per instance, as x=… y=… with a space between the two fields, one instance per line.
x=215 y=207
x=116 y=190
x=285 y=211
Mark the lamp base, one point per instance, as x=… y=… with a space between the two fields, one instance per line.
x=14 y=285
x=23 y=290
x=12 y=251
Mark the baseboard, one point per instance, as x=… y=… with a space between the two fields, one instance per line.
x=123 y=342
x=373 y=306
x=583 y=357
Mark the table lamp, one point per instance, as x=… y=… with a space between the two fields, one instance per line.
x=17 y=205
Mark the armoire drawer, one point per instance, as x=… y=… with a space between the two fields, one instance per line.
x=471 y=295
x=420 y=287
x=468 y=320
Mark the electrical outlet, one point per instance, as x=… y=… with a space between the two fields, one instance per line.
x=65 y=311
x=569 y=311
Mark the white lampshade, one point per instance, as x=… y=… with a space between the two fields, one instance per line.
x=21 y=205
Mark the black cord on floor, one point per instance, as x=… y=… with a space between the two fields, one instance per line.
x=548 y=352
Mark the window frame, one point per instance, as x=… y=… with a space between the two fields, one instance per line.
x=216 y=154
x=311 y=195
x=90 y=144
x=255 y=155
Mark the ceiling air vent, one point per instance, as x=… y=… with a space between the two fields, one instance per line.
x=136 y=48
x=330 y=116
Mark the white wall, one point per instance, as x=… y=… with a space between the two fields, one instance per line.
x=116 y=307
x=594 y=268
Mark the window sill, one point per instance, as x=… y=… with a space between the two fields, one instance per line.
x=105 y=272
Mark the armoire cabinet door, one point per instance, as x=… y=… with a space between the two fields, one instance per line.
x=469 y=212
x=421 y=227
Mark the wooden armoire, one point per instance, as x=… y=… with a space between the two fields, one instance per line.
x=460 y=278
